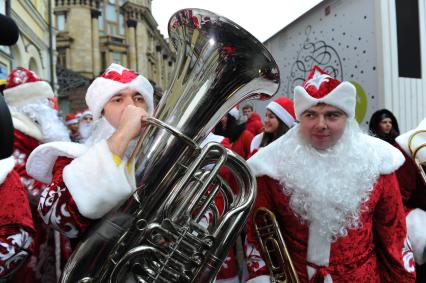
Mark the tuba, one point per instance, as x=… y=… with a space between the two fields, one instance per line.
x=414 y=150
x=158 y=235
x=274 y=249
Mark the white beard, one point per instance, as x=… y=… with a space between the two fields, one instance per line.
x=103 y=130
x=329 y=187
x=85 y=130
x=52 y=128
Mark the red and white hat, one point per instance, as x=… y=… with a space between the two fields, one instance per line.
x=71 y=119
x=115 y=79
x=234 y=112
x=24 y=86
x=283 y=107
x=320 y=87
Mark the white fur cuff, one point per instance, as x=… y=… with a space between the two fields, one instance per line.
x=260 y=279
x=6 y=166
x=416 y=229
x=96 y=183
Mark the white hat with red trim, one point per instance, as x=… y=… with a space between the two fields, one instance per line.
x=115 y=79
x=283 y=107
x=320 y=87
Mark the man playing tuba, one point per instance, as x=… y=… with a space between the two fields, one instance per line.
x=334 y=192
x=88 y=180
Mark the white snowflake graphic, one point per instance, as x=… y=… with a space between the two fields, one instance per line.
x=317 y=79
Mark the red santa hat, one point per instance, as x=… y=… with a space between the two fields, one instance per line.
x=115 y=79
x=71 y=119
x=86 y=113
x=283 y=107
x=24 y=86
x=320 y=87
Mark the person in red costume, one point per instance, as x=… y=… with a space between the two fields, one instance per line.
x=73 y=124
x=334 y=192
x=35 y=122
x=279 y=118
x=87 y=180
x=413 y=189
x=253 y=120
x=238 y=136
x=16 y=223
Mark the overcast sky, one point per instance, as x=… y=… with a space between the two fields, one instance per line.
x=261 y=18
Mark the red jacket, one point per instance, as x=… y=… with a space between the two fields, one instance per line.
x=242 y=145
x=254 y=124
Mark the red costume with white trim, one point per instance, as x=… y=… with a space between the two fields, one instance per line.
x=339 y=209
x=16 y=224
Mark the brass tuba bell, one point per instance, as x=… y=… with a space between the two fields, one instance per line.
x=414 y=151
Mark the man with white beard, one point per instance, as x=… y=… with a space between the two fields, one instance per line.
x=35 y=122
x=334 y=192
x=86 y=125
x=88 y=180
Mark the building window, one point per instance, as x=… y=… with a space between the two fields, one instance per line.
x=112 y=22
x=3 y=7
x=62 y=57
x=3 y=71
x=116 y=57
x=60 y=22
x=103 y=60
x=408 y=38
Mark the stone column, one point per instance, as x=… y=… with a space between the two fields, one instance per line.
x=132 y=58
x=96 y=54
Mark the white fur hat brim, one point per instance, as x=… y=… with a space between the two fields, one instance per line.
x=27 y=92
x=342 y=97
x=102 y=89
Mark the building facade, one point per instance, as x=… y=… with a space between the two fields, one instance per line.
x=35 y=47
x=93 y=34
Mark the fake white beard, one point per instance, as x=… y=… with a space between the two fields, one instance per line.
x=85 y=129
x=103 y=130
x=52 y=128
x=329 y=187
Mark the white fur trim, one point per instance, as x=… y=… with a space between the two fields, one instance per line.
x=318 y=252
x=71 y=122
x=212 y=138
x=24 y=124
x=102 y=89
x=96 y=183
x=260 y=279
x=343 y=97
x=416 y=229
x=266 y=162
x=418 y=139
x=234 y=112
x=27 y=92
x=282 y=113
x=255 y=142
x=6 y=166
x=42 y=159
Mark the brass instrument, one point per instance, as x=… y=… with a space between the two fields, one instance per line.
x=415 y=151
x=156 y=235
x=274 y=249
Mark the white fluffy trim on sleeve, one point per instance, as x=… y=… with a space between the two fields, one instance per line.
x=416 y=228
x=41 y=160
x=6 y=166
x=260 y=279
x=96 y=183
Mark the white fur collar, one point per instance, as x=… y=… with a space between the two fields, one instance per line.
x=41 y=160
x=6 y=166
x=24 y=124
x=266 y=161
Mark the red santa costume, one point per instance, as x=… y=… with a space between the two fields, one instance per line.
x=72 y=123
x=339 y=209
x=16 y=224
x=77 y=194
x=35 y=122
x=416 y=217
x=283 y=108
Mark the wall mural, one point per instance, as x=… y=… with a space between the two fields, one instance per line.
x=338 y=36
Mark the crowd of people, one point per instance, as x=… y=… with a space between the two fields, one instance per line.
x=350 y=205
